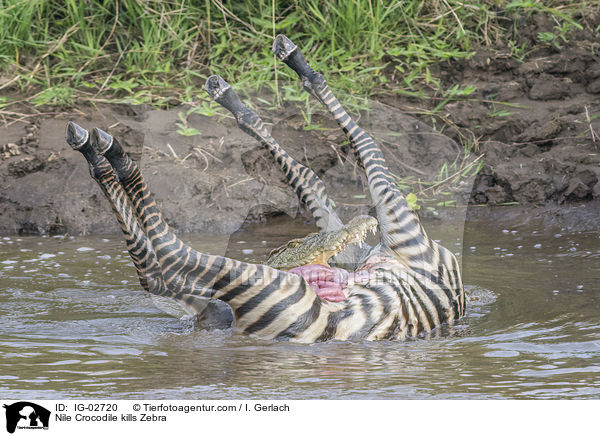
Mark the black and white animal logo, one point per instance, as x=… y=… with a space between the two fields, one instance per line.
x=26 y=415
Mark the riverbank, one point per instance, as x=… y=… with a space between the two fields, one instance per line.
x=517 y=121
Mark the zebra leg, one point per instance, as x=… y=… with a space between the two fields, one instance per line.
x=174 y=258
x=137 y=244
x=306 y=184
x=208 y=314
x=265 y=301
x=401 y=230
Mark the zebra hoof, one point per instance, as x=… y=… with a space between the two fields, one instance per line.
x=101 y=141
x=77 y=136
x=216 y=86
x=221 y=92
x=283 y=47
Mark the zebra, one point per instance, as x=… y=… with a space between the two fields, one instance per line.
x=406 y=286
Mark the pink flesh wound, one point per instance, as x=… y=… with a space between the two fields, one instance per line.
x=328 y=283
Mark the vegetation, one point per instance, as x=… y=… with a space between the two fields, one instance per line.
x=160 y=52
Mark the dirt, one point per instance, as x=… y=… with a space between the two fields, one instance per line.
x=213 y=182
x=535 y=120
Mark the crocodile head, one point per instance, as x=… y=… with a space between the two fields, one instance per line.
x=318 y=248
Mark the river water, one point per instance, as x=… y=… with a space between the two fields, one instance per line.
x=74 y=323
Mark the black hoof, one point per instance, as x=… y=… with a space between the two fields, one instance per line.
x=283 y=47
x=216 y=86
x=223 y=93
x=287 y=51
x=101 y=141
x=77 y=136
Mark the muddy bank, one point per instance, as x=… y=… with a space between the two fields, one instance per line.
x=222 y=179
x=535 y=115
x=214 y=181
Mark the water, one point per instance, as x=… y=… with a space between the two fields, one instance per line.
x=75 y=323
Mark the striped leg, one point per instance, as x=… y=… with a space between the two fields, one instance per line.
x=265 y=301
x=401 y=231
x=306 y=184
x=137 y=244
x=148 y=270
x=400 y=228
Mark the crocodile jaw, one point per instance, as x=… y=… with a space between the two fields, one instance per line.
x=318 y=248
x=322 y=258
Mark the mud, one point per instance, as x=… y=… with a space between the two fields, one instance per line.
x=215 y=181
x=536 y=121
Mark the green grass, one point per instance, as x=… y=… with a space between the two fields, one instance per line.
x=160 y=52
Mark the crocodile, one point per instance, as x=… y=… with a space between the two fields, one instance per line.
x=309 y=257
x=320 y=247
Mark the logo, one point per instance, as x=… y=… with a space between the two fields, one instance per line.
x=26 y=415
